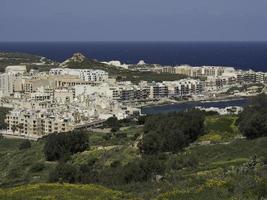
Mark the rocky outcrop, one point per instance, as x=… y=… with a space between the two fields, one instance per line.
x=77 y=57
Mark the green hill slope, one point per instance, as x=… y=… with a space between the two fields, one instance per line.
x=61 y=192
x=224 y=167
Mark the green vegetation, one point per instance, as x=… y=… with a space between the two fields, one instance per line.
x=61 y=145
x=171 y=132
x=245 y=88
x=10 y=58
x=3 y=113
x=220 y=129
x=230 y=167
x=26 y=144
x=62 y=192
x=18 y=166
x=113 y=123
x=253 y=120
x=125 y=74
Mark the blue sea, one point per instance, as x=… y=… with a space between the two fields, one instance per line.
x=243 y=55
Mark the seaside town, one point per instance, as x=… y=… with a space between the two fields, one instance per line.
x=63 y=99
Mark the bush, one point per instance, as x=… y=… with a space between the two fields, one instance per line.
x=141 y=120
x=252 y=121
x=107 y=136
x=171 y=132
x=63 y=172
x=3 y=113
x=112 y=123
x=143 y=170
x=26 y=144
x=62 y=145
x=37 y=167
x=121 y=135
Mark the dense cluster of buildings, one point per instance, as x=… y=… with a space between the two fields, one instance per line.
x=215 y=77
x=64 y=99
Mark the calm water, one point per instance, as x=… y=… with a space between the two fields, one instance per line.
x=243 y=55
x=184 y=106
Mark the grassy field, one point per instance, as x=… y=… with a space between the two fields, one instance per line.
x=198 y=172
x=220 y=129
x=61 y=192
x=22 y=166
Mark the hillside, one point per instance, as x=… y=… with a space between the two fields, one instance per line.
x=79 y=61
x=120 y=73
x=228 y=166
x=31 y=61
x=61 y=192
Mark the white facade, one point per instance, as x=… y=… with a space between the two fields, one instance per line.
x=7 y=79
x=83 y=74
x=102 y=89
x=16 y=69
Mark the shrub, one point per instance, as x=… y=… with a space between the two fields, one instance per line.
x=252 y=121
x=113 y=123
x=121 y=135
x=63 y=172
x=107 y=136
x=143 y=169
x=171 y=132
x=37 y=167
x=26 y=144
x=141 y=120
x=62 y=145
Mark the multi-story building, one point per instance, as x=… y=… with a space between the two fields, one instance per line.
x=184 y=87
x=83 y=74
x=251 y=77
x=37 y=123
x=7 y=79
x=158 y=90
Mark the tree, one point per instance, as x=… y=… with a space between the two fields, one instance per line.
x=143 y=169
x=3 y=113
x=141 y=120
x=113 y=123
x=13 y=128
x=26 y=144
x=252 y=122
x=61 y=145
x=63 y=172
x=171 y=132
x=150 y=144
x=19 y=127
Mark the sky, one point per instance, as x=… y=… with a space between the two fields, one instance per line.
x=133 y=20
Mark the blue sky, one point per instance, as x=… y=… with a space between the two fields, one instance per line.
x=133 y=20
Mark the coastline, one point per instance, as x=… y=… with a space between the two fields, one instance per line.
x=211 y=100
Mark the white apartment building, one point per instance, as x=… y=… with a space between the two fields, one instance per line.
x=84 y=74
x=204 y=71
x=102 y=89
x=8 y=78
x=158 y=90
x=37 y=123
x=184 y=87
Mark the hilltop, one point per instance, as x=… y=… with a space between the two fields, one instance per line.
x=76 y=58
x=31 y=61
x=79 y=61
